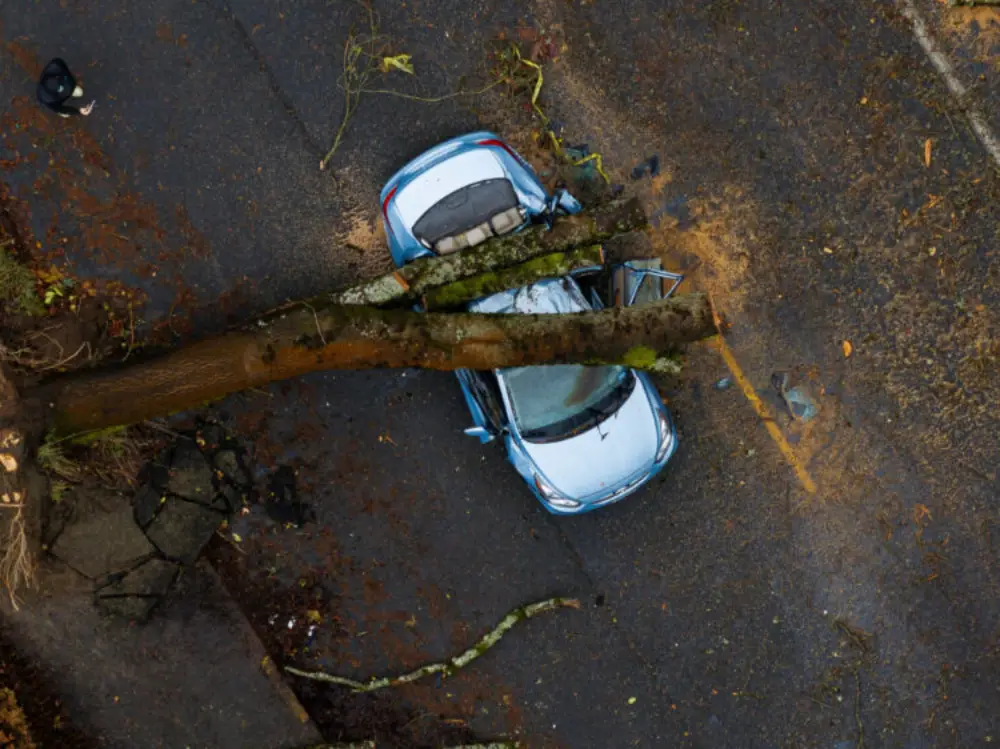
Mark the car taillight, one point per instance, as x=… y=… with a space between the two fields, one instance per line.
x=385 y=208
x=500 y=144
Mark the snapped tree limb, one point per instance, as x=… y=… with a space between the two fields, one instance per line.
x=305 y=338
x=449 y=667
x=412 y=281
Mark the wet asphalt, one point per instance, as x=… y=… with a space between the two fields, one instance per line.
x=725 y=605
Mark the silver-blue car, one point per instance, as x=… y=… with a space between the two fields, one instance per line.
x=581 y=437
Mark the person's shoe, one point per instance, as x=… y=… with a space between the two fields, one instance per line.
x=88 y=109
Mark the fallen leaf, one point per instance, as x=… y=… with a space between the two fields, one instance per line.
x=314 y=616
x=631 y=700
x=927 y=153
x=848 y=349
x=920 y=513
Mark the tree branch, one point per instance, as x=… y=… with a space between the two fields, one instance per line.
x=415 y=279
x=449 y=667
x=554 y=265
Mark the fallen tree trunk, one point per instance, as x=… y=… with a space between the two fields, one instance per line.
x=307 y=338
x=412 y=281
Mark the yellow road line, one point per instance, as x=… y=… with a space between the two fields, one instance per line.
x=765 y=415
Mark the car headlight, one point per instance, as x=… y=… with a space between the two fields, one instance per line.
x=666 y=432
x=552 y=496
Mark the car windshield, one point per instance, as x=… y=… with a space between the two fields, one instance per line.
x=556 y=402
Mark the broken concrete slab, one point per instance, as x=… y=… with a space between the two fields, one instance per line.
x=151 y=578
x=102 y=543
x=228 y=462
x=133 y=608
x=181 y=529
x=234 y=498
x=135 y=594
x=190 y=474
x=146 y=504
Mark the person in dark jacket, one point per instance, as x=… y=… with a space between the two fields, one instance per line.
x=57 y=86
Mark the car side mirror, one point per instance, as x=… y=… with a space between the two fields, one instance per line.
x=480 y=432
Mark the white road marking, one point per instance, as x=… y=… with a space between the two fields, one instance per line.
x=979 y=123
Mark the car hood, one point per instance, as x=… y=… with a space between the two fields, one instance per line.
x=595 y=463
x=549 y=297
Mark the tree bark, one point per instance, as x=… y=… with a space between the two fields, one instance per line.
x=412 y=281
x=308 y=338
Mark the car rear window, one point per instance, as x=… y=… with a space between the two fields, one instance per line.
x=465 y=208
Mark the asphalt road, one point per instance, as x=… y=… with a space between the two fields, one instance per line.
x=725 y=605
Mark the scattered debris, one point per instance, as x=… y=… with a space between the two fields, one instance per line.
x=650 y=166
x=798 y=400
x=452 y=664
x=510 y=69
x=848 y=349
x=724 y=383
x=366 y=54
x=928 y=145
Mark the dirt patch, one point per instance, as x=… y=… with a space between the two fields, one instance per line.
x=31 y=713
x=978 y=24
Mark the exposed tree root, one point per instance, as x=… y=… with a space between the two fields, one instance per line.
x=449 y=667
x=17 y=570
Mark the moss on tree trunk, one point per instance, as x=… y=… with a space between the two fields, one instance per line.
x=412 y=281
x=554 y=265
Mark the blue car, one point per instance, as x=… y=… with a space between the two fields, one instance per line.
x=461 y=193
x=581 y=437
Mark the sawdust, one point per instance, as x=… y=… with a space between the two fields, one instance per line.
x=978 y=25
x=364 y=234
x=716 y=249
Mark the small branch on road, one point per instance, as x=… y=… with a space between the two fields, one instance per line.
x=449 y=667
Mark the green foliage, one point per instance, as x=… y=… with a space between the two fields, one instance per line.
x=53 y=459
x=17 y=286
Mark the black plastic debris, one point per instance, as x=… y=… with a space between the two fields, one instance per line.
x=650 y=166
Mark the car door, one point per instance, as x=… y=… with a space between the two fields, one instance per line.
x=482 y=396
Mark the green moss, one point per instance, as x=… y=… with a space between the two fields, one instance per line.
x=17 y=286
x=640 y=357
x=552 y=265
x=97 y=435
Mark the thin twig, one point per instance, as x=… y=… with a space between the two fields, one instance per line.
x=319 y=329
x=857 y=709
x=449 y=667
x=433 y=99
x=68 y=359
